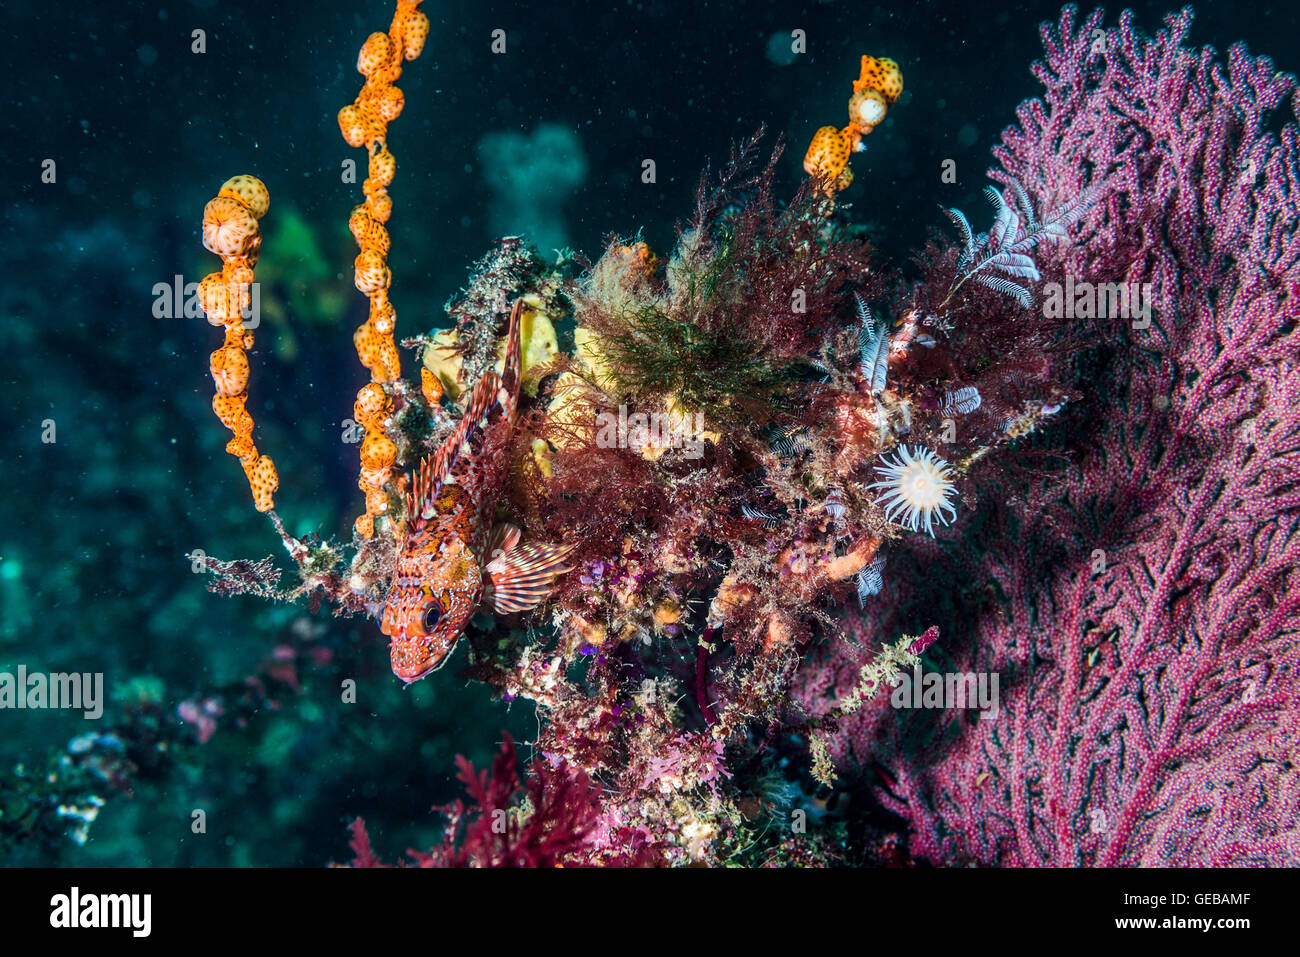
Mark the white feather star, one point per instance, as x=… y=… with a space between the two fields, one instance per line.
x=917 y=488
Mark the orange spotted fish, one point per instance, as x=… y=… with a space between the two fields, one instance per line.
x=456 y=558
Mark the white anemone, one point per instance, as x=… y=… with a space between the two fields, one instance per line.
x=918 y=487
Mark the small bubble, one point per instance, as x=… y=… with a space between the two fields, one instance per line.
x=146 y=54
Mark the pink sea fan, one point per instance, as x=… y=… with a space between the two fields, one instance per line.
x=1143 y=607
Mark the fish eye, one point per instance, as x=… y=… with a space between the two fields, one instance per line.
x=432 y=616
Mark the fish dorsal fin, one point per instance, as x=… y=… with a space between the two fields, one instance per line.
x=522 y=575
x=514 y=358
x=435 y=468
x=494 y=399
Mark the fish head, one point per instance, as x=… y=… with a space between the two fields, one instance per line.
x=433 y=598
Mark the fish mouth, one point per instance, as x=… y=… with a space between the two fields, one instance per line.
x=414 y=656
x=409 y=675
x=412 y=667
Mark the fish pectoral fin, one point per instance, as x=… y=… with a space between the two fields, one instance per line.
x=520 y=577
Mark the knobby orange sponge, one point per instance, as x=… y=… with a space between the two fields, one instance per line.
x=230 y=230
x=828 y=157
x=877 y=88
x=365 y=123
